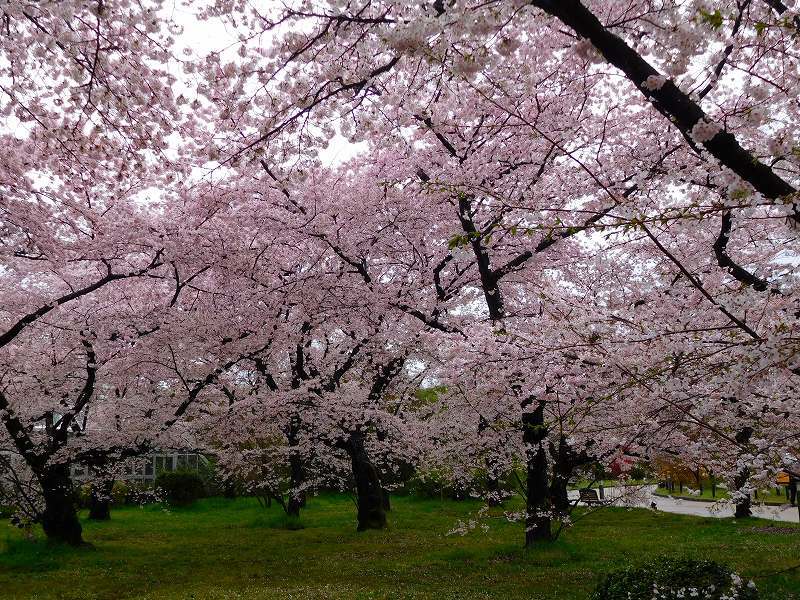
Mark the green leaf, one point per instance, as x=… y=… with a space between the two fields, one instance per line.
x=713 y=19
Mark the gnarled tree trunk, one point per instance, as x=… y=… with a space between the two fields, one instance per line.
x=369 y=492
x=538 y=509
x=59 y=519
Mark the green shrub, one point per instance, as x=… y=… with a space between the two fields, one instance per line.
x=181 y=488
x=640 y=472
x=6 y=512
x=82 y=494
x=671 y=578
x=207 y=470
x=119 y=493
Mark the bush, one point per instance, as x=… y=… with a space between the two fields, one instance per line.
x=640 y=472
x=181 y=488
x=670 y=578
x=207 y=470
x=119 y=493
x=6 y=512
x=82 y=494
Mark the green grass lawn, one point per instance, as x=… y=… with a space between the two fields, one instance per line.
x=769 y=496
x=235 y=549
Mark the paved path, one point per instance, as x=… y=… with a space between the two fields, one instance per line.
x=644 y=496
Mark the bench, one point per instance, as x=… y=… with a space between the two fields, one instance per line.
x=589 y=497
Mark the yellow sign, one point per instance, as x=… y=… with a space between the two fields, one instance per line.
x=783 y=479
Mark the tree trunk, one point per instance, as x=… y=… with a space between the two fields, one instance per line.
x=59 y=519
x=564 y=463
x=492 y=482
x=294 y=505
x=387 y=503
x=100 y=500
x=537 y=519
x=371 y=511
x=297 y=497
x=743 y=504
x=493 y=491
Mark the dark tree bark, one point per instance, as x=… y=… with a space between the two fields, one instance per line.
x=537 y=520
x=297 y=497
x=369 y=492
x=672 y=102
x=492 y=482
x=100 y=500
x=59 y=519
x=565 y=461
x=743 y=504
x=293 y=506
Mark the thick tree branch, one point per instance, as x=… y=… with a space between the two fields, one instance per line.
x=725 y=261
x=684 y=112
x=34 y=316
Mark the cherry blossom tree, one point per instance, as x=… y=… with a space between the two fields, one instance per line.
x=567 y=83
x=578 y=217
x=87 y=107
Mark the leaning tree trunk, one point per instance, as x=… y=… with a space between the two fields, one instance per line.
x=59 y=519
x=100 y=500
x=371 y=511
x=537 y=518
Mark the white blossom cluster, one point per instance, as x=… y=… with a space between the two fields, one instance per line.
x=704 y=131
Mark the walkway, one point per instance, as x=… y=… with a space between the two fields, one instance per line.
x=642 y=497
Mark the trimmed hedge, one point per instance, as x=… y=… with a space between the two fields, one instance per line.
x=675 y=578
x=181 y=488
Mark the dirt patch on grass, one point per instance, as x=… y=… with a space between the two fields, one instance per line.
x=778 y=530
